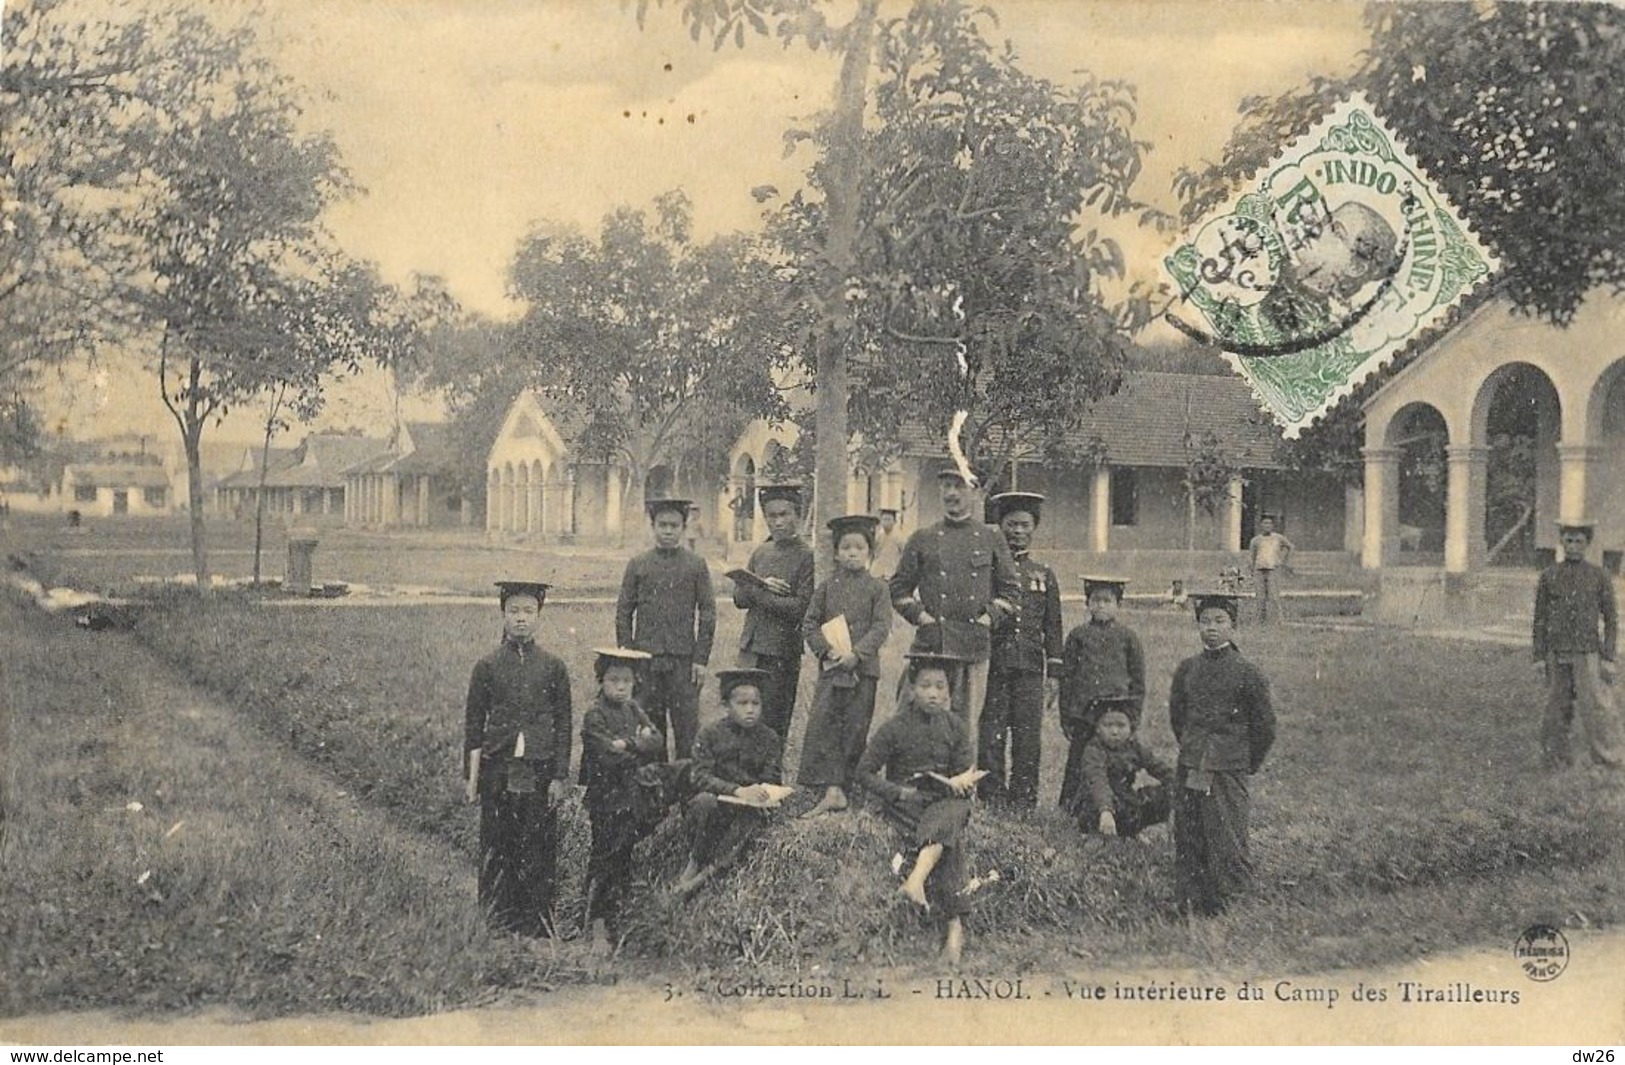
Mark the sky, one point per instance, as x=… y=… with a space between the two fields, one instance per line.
x=468 y=121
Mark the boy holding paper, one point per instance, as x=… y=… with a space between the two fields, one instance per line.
x=846 y=624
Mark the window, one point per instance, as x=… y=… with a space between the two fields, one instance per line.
x=154 y=497
x=84 y=493
x=1125 y=496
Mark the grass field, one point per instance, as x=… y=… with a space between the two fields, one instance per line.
x=1401 y=813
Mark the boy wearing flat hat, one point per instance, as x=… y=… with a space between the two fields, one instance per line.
x=1219 y=706
x=666 y=608
x=1102 y=661
x=1025 y=665
x=771 y=639
x=516 y=744
x=1576 y=640
x=955 y=581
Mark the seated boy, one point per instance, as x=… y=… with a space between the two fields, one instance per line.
x=920 y=765
x=617 y=738
x=732 y=758
x=1111 y=804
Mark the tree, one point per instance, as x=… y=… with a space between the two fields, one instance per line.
x=1513 y=110
x=650 y=338
x=974 y=289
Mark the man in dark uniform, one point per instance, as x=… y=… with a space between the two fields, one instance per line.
x=1219 y=706
x=516 y=744
x=666 y=607
x=1026 y=660
x=954 y=582
x=771 y=639
x=1576 y=641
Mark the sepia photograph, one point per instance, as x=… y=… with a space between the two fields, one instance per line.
x=811 y=522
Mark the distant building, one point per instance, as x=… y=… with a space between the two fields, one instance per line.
x=412 y=484
x=108 y=488
x=308 y=482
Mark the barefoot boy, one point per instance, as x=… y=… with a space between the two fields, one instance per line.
x=920 y=765
x=732 y=759
x=1111 y=804
x=844 y=704
x=617 y=738
x=1102 y=659
x=1219 y=706
x=516 y=757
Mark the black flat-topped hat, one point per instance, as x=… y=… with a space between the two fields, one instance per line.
x=1094 y=581
x=729 y=679
x=506 y=590
x=769 y=493
x=657 y=507
x=1229 y=602
x=1114 y=704
x=858 y=523
x=918 y=660
x=1006 y=503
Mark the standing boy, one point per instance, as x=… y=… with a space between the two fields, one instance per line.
x=771 y=639
x=733 y=758
x=1102 y=660
x=516 y=747
x=1271 y=553
x=617 y=739
x=844 y=704
x=1576 y=641
x=666 y=607
x=1219 y=706
x=955 y=581
x=1025 y=665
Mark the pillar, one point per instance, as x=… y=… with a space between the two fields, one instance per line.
x=1464 y=507
x=1573 y=462
x=423 y=501
x=1100 y=509
x=1381 y=503
x=1232 y=515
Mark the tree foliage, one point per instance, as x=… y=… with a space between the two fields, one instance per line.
x=1514 y=110
x=976 y=286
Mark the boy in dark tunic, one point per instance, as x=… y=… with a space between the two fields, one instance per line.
x=617 y=738
x=1026 y=661
x=1219 y=706
x=733 y=758
x=516 y=744
x=1576 y=640
x=921 y=766
x=1111 y=804
x=771 y=639
x=844 y=704
x=1102 y=660
x=666 y=607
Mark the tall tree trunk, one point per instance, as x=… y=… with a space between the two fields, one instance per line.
x=846 y=162
x=194 y=499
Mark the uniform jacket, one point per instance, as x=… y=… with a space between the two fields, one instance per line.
x=1029 y=641
x=911 y=742
x=1109 y=773
x=772 y=622
x=1100 y=660
x=608 y=773
x=953 y=570
x=1219 y=706
x=865 y=602
x=520 y=688
x=666 y=605
x=1571 y=598
x=728 y=756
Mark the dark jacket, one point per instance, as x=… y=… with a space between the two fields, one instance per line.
x=666 y=605
x=520 y=688
x=728 y=756
x=607 y=773
x=1108 y=773
x=772 y=622
x=1573 y=601
x=953 y=570
x=863 y=599
x=1100 y=660
x=912 y=742
x=1219 y=706
x=1029 y=641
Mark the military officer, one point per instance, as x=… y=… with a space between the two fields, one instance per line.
x=954 y=582
x=1025 y=665
x=771 y=640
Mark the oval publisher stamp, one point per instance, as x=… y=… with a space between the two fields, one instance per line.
x=1542 y=952
x=1324 y=265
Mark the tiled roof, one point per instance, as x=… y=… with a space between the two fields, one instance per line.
x=1146 y=421
x=133 y=475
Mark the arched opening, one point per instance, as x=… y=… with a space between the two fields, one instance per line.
x=1420 y=434
x=538 y=498
x=1605 y=483
x=507 y=498
x=1517 y=417
x=743 y=500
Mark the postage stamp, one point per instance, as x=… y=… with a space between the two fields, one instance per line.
x=1324 y=265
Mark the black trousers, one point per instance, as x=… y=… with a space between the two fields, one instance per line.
x=667 y=694
x=1211 y=863
x=609 y=863
x=1134 y=813
x=779 y=692
x=1013 y=715
x=519 y=835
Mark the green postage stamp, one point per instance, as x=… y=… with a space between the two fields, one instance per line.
x=1327 y=263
